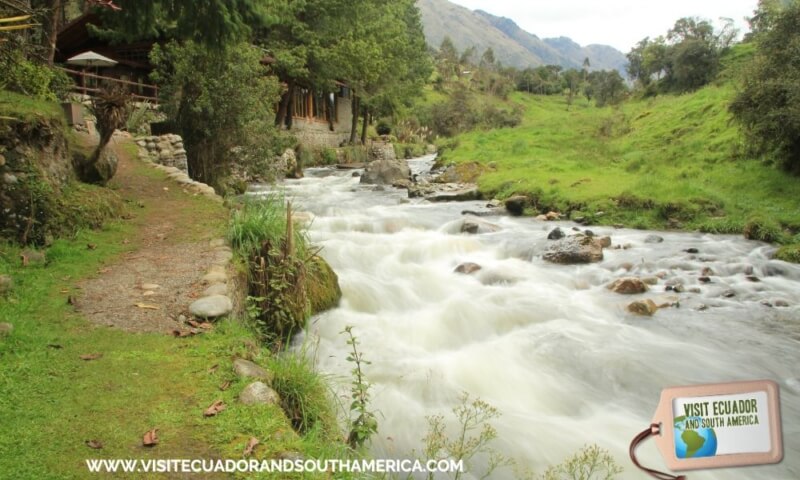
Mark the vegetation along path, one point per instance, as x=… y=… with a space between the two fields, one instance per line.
x=71 y=388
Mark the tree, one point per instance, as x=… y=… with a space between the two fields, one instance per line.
x=768 y=105
x=220 y=99
x=686 y=59
x=572 y=83
x=211 y=23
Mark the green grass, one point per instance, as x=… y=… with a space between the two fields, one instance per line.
x=52 y=402
x=21 y=107
x=641 y=164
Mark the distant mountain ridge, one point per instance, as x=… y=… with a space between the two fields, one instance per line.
x=511 y=44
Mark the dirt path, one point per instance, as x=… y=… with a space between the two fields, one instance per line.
x=148 y=289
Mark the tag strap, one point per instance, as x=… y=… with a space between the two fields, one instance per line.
x=653 y=430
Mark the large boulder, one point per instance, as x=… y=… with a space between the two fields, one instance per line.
x=382 y=151
x=574 y=249
x=288 y=164
x=387 y=172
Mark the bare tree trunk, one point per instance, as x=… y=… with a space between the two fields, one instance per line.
x=283 y=105
x=54 y=12
x=290 y=106
x=364 y=126
x=354 y=123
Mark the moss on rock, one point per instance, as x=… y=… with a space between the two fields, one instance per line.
x=789 y=253
x=322 y=286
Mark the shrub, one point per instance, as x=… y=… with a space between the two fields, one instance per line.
x=383 y=128
x=32 y=79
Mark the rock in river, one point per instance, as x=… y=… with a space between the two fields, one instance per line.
x=555 y=234
x=386 y=172
x=574 y=249
x=467 y=268
x=628 y=286
x=645 y=308
x=516 y=204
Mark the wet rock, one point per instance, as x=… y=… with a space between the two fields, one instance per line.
x=628 y=286
x=556 y=234
x=516 y=205
x=6 y=329
x=247 y=369
x=695 y=290
x=677 y=288
x=6 y=284
x=494 y=203
x=650 y=280
x=753 y=278
x=462 y=195
x=766 y=303
x=476 y=226
x=748 y=270
x=258 y=393
x=645 y=308
x=704 y=279
x=668 y=301
x=467 y=268
x=387 y=172
x=605 y=242
x=780 y=303
x=707 y=272
x=216 y=289
x=356 y=174
x=771 y=270
x=702 y=307
x=590 y=233
x=692 y=250
x=552 y=216
x=574 y=250
x=211 y=307
x=728 y=294
x=653 y=239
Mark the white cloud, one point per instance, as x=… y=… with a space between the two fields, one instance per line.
x=619 y=23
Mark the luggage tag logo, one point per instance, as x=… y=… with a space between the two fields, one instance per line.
x=714 y=426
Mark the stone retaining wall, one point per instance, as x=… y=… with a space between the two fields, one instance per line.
x=165 y=150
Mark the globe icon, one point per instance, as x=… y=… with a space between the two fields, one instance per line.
x=692 y=442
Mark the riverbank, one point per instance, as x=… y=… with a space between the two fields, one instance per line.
x=666 y=163
x=73 y=389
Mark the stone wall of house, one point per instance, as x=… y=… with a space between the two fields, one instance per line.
x=165 y=150
x=313 y=133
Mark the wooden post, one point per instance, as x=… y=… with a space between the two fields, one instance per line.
x=289 y=231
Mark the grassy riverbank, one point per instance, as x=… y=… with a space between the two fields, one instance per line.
x=674 y=161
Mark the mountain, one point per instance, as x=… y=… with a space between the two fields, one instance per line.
x=511 y=44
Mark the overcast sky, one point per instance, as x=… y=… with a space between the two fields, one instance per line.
x=619 y=23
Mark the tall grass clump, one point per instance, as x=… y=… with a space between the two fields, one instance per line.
x=287 y=281
x=259 y=220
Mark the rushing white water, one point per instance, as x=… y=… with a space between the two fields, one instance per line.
x=548 y=345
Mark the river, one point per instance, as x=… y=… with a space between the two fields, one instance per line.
x=548 y=345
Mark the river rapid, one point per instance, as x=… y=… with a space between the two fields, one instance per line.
x=548 y=345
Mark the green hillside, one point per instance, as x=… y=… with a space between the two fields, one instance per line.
x=665 y=162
